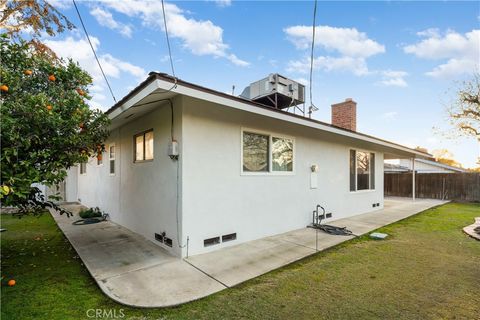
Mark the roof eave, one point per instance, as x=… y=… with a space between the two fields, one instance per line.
x=163 y=77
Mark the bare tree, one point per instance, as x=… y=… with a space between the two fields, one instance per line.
x=36 y=15
x=31 y=18
x=464 y=113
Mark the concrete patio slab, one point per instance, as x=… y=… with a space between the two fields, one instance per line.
x=131 y=269
x=242 y=262
x=134 y=271
x=239 y=263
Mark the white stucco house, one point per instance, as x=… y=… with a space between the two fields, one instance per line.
x=194 y=170
x=421 y=166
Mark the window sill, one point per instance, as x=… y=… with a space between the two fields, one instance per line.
x=267 y=174
x=142 y=161
x=363 y=191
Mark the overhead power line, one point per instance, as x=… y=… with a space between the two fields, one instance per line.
x=312 y=105
x=168 y=39
x=93 y=50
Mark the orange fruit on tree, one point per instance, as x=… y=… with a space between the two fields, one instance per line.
x=5 y=190
x=49 y=108
x=80 y=92
x=52 y=77
x=11 y=282
x=27 y=72
x=3 y=88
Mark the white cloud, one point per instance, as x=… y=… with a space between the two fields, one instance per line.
x=348 y=47
x=149 y=41
x=200 y=37
x=60 y=4
x=80 y=51
x=357 y=66
x=165 y=58
x=394 y=82
x=431 y=32
x=223 y=3
x=392 y=78
x=454 y=67
x=346 y=41
x=105 y=18
x=236 y=61
x=461 y=51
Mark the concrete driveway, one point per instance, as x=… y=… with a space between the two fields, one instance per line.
x=134 y=271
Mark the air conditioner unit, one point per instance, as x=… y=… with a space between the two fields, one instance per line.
x=275 y=91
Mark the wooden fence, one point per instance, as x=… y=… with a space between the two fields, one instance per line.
x=448 y=186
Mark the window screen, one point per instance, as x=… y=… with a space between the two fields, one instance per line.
x=149 y=145
x=111 y=155
x=362 y=170
x=144 y=146
x=83 y=168
x=372 y=170
x=352 y=171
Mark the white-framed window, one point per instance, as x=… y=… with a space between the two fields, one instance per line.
x=143 y=146
x=111 y=158
x=83 y=168
x=362 y=170
x=267 y=153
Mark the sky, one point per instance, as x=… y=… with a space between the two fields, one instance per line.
x=400 y=61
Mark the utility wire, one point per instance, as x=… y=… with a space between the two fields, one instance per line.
x=94 y=53
x=312 y=106
x=168 y=39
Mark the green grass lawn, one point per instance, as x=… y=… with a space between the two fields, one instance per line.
x=427 y=269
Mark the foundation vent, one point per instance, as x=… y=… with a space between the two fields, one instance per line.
x=211 y=241
x=229 y=237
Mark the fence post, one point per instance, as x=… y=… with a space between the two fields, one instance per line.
x=413 y=179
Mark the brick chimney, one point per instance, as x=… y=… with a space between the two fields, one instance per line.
x=344 y=114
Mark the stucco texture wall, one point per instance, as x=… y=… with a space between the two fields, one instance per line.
x=218 y=199
x=140 y=196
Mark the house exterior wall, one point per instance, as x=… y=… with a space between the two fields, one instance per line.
x=421 y=167
x=140 y=196
x=218 y=199
x=66 y=190
x=71 y=185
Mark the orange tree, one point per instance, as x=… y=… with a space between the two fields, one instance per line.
x=46 y=124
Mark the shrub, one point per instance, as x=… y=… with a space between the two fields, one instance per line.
x=90 y=213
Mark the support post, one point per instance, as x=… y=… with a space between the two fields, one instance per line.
x=413 y=179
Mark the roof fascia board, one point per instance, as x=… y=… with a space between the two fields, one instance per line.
x=154 y=85
x=441 y=165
